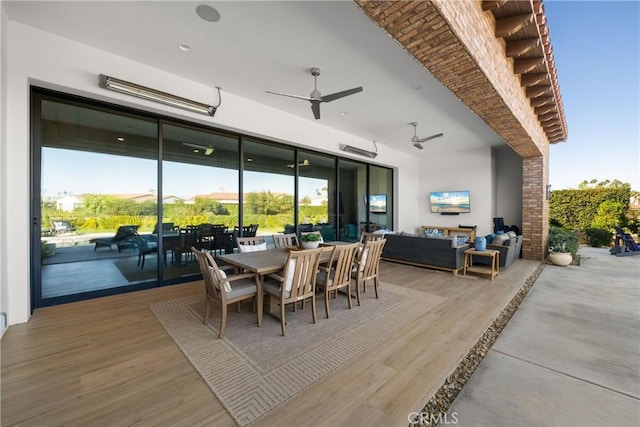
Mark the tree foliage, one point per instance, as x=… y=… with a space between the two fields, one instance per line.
x=577 y=209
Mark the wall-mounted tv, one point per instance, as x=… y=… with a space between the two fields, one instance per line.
x=450 y=202
x=378 y=203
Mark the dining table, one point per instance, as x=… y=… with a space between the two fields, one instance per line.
x=267 y=262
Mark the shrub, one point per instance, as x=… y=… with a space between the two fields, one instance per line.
x=561 y=240
x=598 y=237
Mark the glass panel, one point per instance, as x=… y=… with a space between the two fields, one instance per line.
x=268 y=188
x=316 y=193
x=199 y=196
x=352 y=192
x=380 y=197
x=98 y=187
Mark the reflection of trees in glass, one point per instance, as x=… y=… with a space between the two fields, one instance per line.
x=267 y=203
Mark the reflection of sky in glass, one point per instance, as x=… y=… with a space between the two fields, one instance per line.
x=78 y=172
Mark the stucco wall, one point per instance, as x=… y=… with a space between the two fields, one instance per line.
x=42 y=59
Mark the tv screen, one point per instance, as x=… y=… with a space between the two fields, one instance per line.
x=378 y=203
x=450 y=202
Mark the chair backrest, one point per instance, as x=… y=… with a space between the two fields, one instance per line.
x=369 y=257
x=341 y=263
x=125 y=232
x=365 y=237
x=251 y=244
x=300 y=271
x=284 y=240
x=213 y=280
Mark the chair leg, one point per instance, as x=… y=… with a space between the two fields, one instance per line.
x=349 y=296
x=326 y=302
x=143 y=258
x=223 y=322
x=313 y=307
x=358 y=291
x=375 y=285
x=282 y=320
x=238 y=307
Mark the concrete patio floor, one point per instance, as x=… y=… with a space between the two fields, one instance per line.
x=570 y=355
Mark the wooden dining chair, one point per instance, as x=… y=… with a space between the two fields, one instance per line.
x=284 y=240
x=225 y=290
x=297 y=282
x=251 y=244
x=336 y=274
x=367 y=265
x=365 y=237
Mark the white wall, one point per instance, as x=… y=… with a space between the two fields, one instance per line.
x=35 y=57
x=4 y=282
x=468 y=170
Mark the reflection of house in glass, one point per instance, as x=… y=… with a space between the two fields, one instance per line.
x=71 y=203
x=222 y=198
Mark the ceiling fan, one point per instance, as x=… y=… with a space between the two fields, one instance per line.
x=417 y=142
x=208 y=149
x=305 y=162
x=316 y=97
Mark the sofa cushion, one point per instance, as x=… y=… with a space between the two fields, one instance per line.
x=500 y=239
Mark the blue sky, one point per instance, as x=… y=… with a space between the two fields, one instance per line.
x=596 y=46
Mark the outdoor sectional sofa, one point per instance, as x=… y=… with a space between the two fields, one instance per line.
x=439 y=253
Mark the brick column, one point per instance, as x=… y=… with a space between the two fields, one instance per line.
x=535 y=207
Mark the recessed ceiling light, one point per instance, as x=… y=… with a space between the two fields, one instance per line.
x=184 y=47
x=344 y=114
x=208 y=13
x=249 y=159
x=120 y=139
x=416 y=87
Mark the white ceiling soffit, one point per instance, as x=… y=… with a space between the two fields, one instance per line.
x=264 y=45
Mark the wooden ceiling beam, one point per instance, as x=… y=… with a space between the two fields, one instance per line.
x=512 y=24
x=541 y=100
x=520 y=47
x=536 y=91
x=544 y=109
x=523 y=66
x=548 y=116
x=492 y=4
x=532 y=79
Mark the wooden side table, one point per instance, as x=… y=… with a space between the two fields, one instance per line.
x=491 y=271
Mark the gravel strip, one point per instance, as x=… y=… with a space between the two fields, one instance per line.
x=437 y=406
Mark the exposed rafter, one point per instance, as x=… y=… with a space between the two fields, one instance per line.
x=536 y=91
x=511 y=25
x=533 y=79
x=522 y=66
x=492 y=4
x=520 y=47
x=541 y=100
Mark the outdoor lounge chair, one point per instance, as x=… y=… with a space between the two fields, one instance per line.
x=123 y=238
x=624 y=244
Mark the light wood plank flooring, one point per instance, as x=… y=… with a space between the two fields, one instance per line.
x=108 y=362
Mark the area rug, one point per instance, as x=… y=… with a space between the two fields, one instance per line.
x=252 y=370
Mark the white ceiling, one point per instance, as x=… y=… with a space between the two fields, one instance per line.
x=264 y=45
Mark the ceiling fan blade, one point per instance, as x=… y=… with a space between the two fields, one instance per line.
x=306 y=98
x=418 y=145
x=429 y=138
x=198 y=146
x=315 y=107
x=338 y=95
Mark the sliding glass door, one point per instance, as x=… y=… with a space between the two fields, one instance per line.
x=97 y=190
x=121 y=196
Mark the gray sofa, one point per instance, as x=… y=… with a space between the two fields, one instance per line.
x=509 y=252
x=425 y=252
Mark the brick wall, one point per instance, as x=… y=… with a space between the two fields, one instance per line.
x=455 y=41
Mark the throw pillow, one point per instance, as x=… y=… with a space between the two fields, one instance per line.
x=490 y=237
x=500 y=239
x=253 y=248
x=511 y=234
x=461 y=240
x=288 y=274
x=225 y=282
